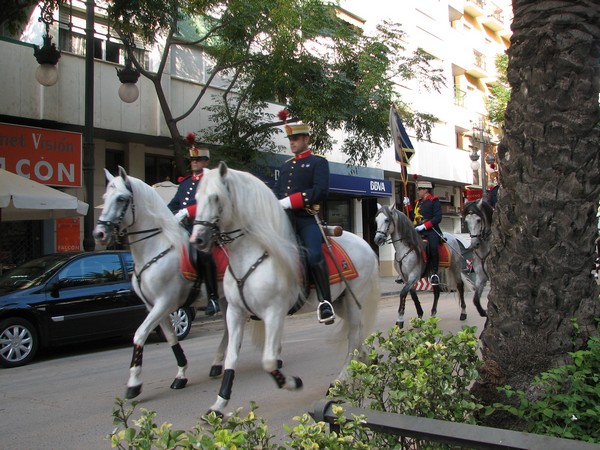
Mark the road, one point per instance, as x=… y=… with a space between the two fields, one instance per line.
x=64 y=399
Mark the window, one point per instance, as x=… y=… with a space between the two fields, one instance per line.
x=159 y=168
x=114 y=159
x=92 y=270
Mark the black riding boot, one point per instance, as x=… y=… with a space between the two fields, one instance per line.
x=320 y=276
x=210 y=279
x=435 y=262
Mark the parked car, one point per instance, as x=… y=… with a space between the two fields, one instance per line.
x=68 y=298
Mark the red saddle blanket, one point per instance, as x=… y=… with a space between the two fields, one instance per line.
x=444 y=252
x=343 y=260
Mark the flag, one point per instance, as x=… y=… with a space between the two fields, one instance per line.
x=402 y=144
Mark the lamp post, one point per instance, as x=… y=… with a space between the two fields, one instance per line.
x=483 y=136
x=88 y=138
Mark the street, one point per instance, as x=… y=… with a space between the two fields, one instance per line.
x=64 y=399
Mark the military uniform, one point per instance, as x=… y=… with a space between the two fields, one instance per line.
x=186 y=196
x=428 y=213
x=184 y=201
x=302 y=184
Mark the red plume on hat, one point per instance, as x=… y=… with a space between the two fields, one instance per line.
x=283 y=115
x=415 y=176
x=191 y=139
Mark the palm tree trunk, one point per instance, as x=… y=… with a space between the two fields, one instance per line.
x=545 y=221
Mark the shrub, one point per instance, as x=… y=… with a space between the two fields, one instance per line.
x=419 y=372
x=568 y=403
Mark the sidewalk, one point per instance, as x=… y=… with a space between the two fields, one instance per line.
x=389 y=286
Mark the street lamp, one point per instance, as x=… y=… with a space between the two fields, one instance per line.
x=483 y=136
x=47 y=75
x=47 y=56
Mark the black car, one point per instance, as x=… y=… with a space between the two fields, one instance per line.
x=71 y=297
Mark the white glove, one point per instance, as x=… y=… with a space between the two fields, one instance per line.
x=285 y=203
x=181 y=214
x=420 y=228
x=406 y=201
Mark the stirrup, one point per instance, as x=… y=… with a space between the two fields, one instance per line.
x=329 y=319
x=434 y=279
x=212 y=307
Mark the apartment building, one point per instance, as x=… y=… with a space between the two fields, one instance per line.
x=460 y=34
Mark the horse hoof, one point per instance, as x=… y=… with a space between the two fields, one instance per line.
x=279 y=363
x=463 y=316
x=215 y=371
x=299 y=383
x=133 y=391
x=400 y=325
x=482 y=312
x=179 y=383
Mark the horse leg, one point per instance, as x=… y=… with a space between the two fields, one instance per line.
x=216 y=369
x=403 y=293
x=460 y=287
x=476 y=300
x=436 y=297
x=235 y=319
x=153 y=319
x=271 y=352
x=180 y=380
x=413 y=295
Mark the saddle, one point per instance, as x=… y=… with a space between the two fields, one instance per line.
x=443 y=250
x=188 y=263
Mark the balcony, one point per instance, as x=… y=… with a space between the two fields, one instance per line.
x=475 y=8
x=459 y=97
x=478 y=68
x=493 y=19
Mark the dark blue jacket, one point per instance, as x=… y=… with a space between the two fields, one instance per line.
x=428 y=211
x=305 y=179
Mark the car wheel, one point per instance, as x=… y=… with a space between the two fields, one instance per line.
x=182 y=323
x=18 y=342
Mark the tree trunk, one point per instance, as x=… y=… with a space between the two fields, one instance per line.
x=545 y=220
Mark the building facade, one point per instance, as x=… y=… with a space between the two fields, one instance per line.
x=135 y=135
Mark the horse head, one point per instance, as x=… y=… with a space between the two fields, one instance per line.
x=385 y=224
x=213 y=208
x=478 y=218
x=118 y=198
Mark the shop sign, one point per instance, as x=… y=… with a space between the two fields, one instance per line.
x=49 y=157
x=68 y=234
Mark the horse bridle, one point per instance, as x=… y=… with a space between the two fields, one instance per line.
x=483 y=232
x=121 y=233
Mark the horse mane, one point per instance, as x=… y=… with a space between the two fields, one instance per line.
x=147 y=199
x=483 y=209
x=255 y=210
x=406 y=229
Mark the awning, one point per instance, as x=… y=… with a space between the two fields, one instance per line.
x=24 y=199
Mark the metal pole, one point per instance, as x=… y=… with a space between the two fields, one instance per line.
x=483 y=173
x=88 y=136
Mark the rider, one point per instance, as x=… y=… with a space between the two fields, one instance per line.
x=183 y=205
x=302 y=184
x=427 y=216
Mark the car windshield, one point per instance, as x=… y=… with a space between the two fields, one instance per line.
x=32 y=273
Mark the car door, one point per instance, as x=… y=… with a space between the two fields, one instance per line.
x=91 y=297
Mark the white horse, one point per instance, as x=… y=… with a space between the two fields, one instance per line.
x=410 y=263
x=264 y=275
x=478 y=218
x=134 y=210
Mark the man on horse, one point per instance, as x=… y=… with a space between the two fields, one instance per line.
x=302 y=185
x=427 y=216
x=183 y=205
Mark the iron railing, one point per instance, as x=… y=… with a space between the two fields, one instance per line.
x=451 y=433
